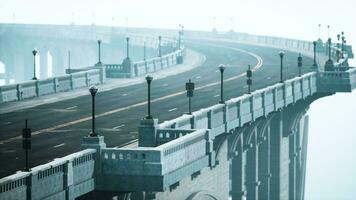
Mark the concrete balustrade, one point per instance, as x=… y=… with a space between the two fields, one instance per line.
x=63 y=178
x=35 y=88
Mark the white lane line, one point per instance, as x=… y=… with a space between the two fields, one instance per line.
x=218 y=95
x=165 y=85
x=10 y=151
x=124 y=95
x=72 y=107
x=216 y=70
x=173 y=109
x=117 y=127
x=59 y=145
x=198 y=77
x=7 y=123
x=84 y=119
x=268 y=78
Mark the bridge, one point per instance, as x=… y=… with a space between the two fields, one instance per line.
x=250 y=146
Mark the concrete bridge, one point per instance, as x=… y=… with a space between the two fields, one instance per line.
x=249 y=147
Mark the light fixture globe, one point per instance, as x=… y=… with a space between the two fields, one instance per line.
x=93 y=90
x=221 y=68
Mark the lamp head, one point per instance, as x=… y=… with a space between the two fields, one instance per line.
x=34 y=52
x=221 y=68
x=149 y=79
x=93 y=90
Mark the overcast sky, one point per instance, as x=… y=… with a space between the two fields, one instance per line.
x=297 y=19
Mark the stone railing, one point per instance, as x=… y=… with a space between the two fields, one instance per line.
x=36 y=88
x=155 y=162
x=173 y=56
x=63 y=178
x=294 y=45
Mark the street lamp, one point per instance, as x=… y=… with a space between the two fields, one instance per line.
x=127 y=46
x=249 y=78
x=300 y=64
x=26 y=144
x=144 y=50
x=93 y=90
x=159 y=46
x=190 y=89
x=281 y=54
x=34 y=52
x=329 y=46
x=314 y=46
x=99 y=52
x=149 y=80
x=221 y=69
x=342 y=44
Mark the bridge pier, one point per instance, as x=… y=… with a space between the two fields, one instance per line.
x=264 y=164
x=252 y=182
x=238 y=162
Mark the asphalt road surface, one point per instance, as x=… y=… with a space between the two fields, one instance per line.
x=59 y=127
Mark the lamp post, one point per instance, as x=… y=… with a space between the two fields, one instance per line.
x=190 y=89
x=34 y=52
x=26 y=144
x=300 y=64
x=342 y=44
x=314 y=46
x=149 y=80
x=144 y=50
x=127 y=46
x=179 y=35
x=99 y=52
x=281 y=54
x=159 y=46
x=69 y=62
x=329 y=46
x=93 y=90
x=221 y=69
x=249 y=78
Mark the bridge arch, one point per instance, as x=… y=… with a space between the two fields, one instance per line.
x=202 y=195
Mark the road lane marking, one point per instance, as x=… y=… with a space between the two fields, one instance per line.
x=46 y=130
x=124 y=95
x=268 y=78
x=7 y=123
x=72 y=107
x=173 y=109
x=59 y=145
x=117 y=127
x=165 y=85
x=198 y=77
x=217 y=95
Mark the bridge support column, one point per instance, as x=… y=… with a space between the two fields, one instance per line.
x=252 y=182
x=264 y=166
x=292 y=165
x=279 y=159
x=238 y=191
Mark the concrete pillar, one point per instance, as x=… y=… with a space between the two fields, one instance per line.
x=292 y=165
x=279 y=158
x=238 y=187
x=264 y=165
x=252 y=182
x=43 y=63
x=147 y=132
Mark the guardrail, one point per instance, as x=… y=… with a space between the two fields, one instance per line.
x=36 y=88
x=70 y=176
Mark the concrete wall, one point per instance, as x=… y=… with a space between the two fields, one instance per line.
x=35 y=88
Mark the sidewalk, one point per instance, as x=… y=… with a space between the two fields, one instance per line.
x=193 y=59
